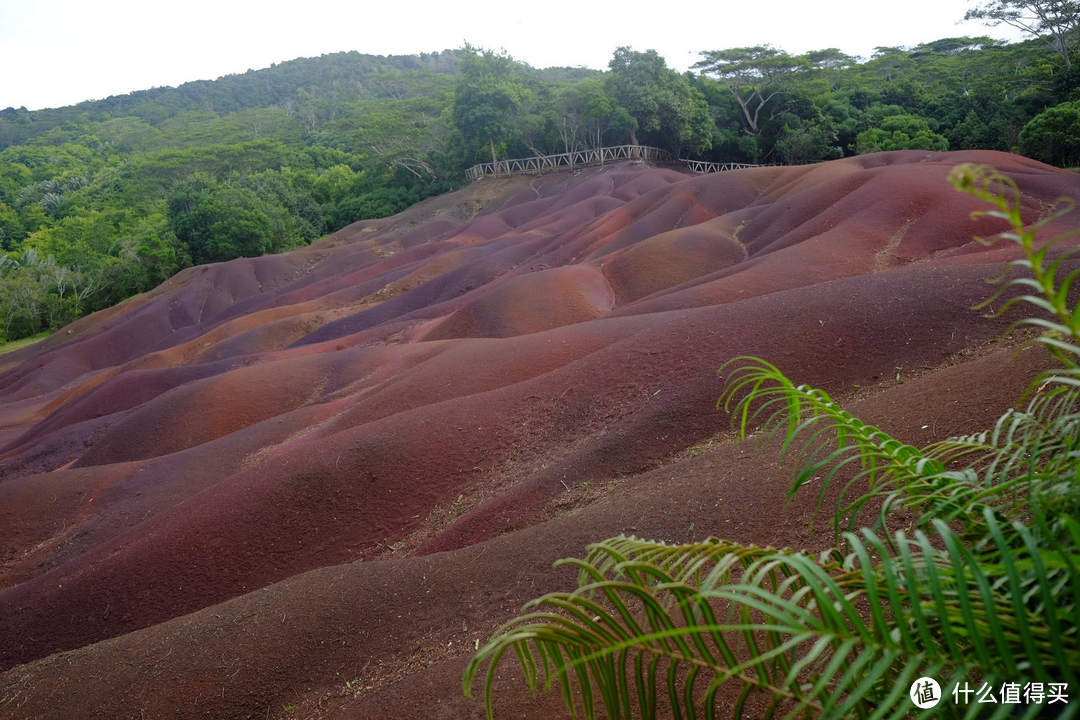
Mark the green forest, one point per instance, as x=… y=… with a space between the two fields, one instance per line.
x=105 y=199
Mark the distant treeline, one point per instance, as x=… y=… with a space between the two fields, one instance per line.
x=107 y=198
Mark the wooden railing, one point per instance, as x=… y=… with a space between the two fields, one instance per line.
x=595 y=156
x=703 y=166
x=578 y=158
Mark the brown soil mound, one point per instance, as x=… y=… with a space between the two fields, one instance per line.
x=530 y=303
x=674 y=257
x=316 y=479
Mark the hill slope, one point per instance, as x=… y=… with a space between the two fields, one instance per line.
x=272 y=477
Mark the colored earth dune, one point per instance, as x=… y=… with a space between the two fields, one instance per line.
x=306 y=485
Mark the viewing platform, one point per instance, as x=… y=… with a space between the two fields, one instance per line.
x=596 y=156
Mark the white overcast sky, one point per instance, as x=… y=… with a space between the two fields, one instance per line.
x=58 y=52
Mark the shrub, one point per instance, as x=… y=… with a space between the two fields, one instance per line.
x=1053 y=136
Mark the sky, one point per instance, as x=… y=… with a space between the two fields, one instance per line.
x=64 y=51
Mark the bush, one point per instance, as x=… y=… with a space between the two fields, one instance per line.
x=1053 y=136
x=219 y=222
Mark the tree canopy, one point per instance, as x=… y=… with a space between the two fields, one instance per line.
x=488 y=97
x=1055 y=20
x=668 y=111
x=755 y=76
x=1053 y=135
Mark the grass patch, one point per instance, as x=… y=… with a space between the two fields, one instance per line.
x=14 y=345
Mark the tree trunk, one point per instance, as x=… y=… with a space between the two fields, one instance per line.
x=1061 y=44
x=744 y=104
x=633 y=138
x=491 y=140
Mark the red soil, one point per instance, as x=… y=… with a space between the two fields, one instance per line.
x=273 y=477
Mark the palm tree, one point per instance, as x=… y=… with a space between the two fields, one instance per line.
x=981 y=595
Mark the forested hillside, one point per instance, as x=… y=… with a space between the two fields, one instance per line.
x=107 y=198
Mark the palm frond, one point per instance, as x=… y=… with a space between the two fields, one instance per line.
x=880 y=467
x=1039 y=283
x=1030 y=456
x=816 y=637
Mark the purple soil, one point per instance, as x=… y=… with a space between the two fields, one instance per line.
x=228 y=480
